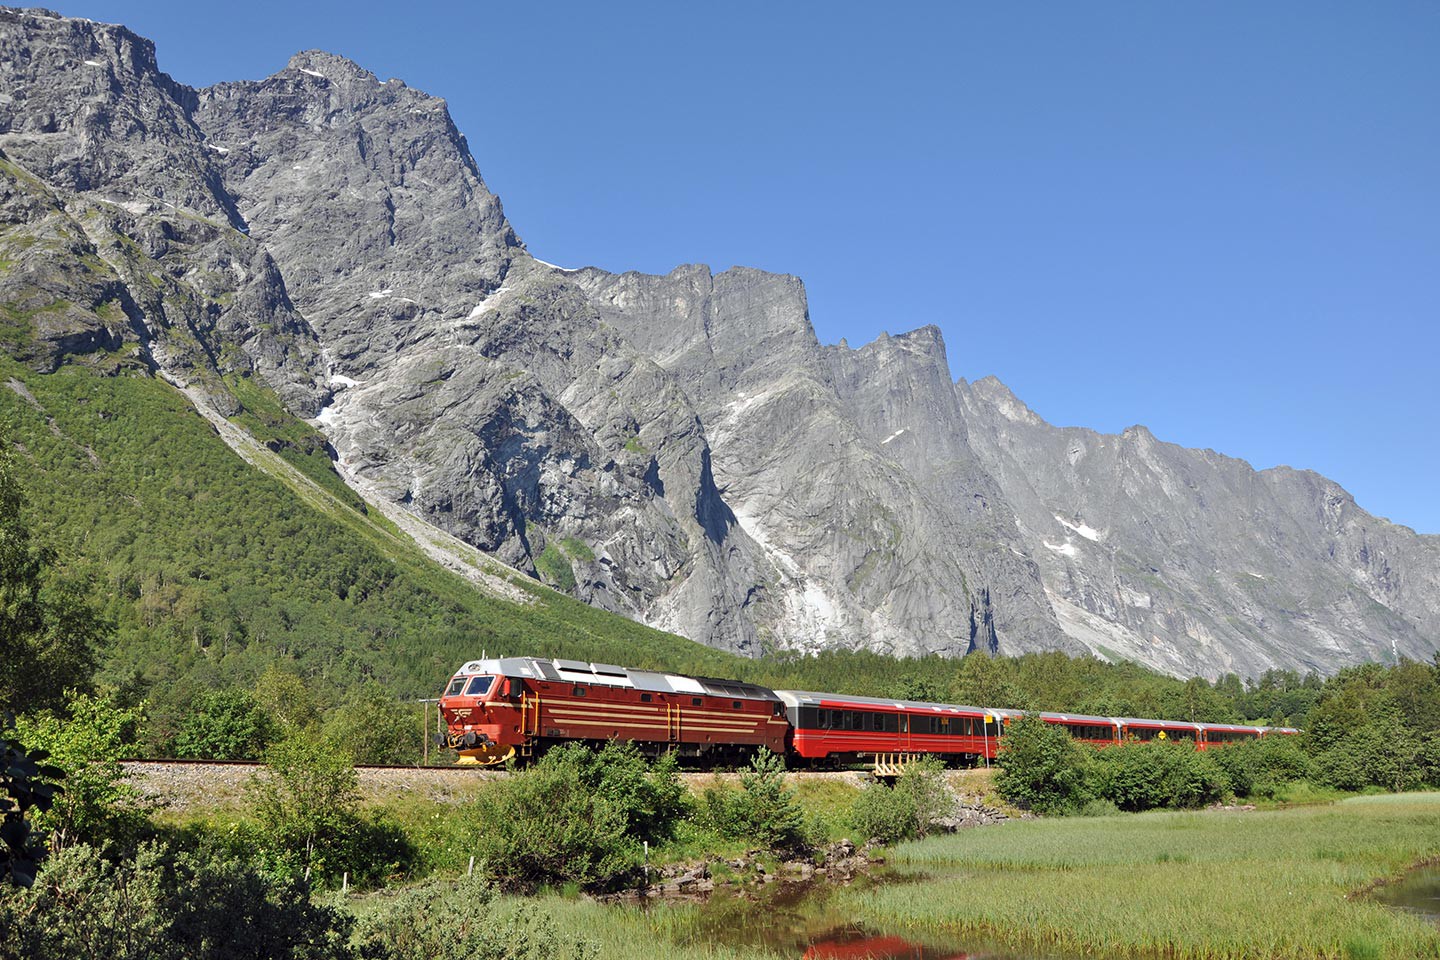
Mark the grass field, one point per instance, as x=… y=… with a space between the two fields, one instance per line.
x=1211 y=885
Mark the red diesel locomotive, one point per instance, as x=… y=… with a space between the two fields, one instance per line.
x=520 y=706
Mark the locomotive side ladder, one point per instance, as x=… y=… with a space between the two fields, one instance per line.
x=529 y=723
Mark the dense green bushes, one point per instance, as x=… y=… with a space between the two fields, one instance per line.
x=905 y=811
x=1044 y=770
x=166 y=903
x=169 y=903
x=577 y=816
x=764 y=810
x=1144 y=776
x=224 y=725
x=96 y=804
x=308 y=821
x=462 y=920
x=1259 y=768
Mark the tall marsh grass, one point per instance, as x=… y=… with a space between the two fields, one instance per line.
x=1211 y=886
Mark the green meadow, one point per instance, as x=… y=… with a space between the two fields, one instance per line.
x=1209 y=885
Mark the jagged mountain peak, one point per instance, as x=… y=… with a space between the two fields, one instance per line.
x=323 y=65
x=927 y=340
x=992 y=391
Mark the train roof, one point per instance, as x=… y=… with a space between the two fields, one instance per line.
x=604 y=674
x=810 y=698
x=807 y=698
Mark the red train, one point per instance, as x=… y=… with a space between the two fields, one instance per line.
x=520 y=706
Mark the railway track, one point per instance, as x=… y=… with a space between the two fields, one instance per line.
x=185 y=762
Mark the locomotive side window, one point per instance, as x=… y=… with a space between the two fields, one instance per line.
x=645 y=698
x=578 y=692
x=479 y=686
x=736 y=705
x=695 y=701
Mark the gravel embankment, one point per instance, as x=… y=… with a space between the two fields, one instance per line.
x=181 y=786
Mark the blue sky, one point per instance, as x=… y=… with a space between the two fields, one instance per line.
x=1221 y=220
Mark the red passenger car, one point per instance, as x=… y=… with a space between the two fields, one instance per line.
x=520 y=706
x=830 y=728
x=1096 y=731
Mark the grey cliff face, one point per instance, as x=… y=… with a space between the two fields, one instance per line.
x=1195 y=562
x=678 y=448
x=863 y=545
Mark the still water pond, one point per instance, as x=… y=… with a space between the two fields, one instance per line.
x=1418 y=893
x=816 y=922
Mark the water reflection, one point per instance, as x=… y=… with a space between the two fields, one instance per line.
x=1417 y=893
x=856 y=944
x=816 y=922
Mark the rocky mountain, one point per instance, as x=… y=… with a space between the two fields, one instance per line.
x=1174 y=557
x=681 y=448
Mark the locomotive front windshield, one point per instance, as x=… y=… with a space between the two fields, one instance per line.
x=477 y=686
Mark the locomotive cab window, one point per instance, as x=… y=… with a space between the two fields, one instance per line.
x=479 y=686
x=455 y=687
